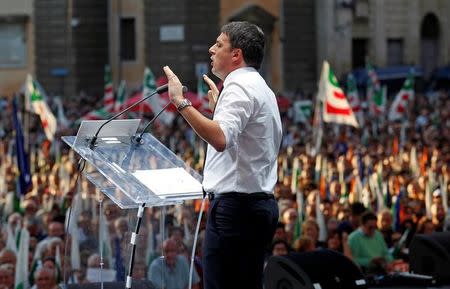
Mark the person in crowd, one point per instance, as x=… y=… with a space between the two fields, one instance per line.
x=425 y=226
x=176 y=269
x=7 y=256
x=45 y=279
x=310 y=228
x=385 y=226
x=304 y=244
x=6 y=276
x=279 y=247
x=339 y=242
x=368 y=247
x=356 y=210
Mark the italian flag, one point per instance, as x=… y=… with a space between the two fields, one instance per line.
x=108 y=98
x=100 y=113
x=202 y=94
x=302 y=111
x=35 y=103
x=21 y=272
x=121 y=95
x=376 y=94
x=156 y=102
x=398 y=107
x=335 y=105
x=352 y=93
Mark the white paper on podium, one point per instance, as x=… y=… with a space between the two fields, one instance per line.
x=171 y=181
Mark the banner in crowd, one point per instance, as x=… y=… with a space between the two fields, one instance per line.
x=335 y=105
x=400 y=104
x=22 y=157
x=302 y=111
x=35 y=103
x=121 y=97
x=108 y=98
x=156 y=102
x=375 y=94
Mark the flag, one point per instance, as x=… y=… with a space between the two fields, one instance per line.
x=302 y=111
x=202 y=95
x=352 y=93
x=396 y=214
x=156 y=101
x=335 y=105
x=75 y=211
x=413 y=162
x=121 y=95
x=21 y=275
x=150 y=250
x=35 y=103
x=108 y=97
x=376 y=96
x=299 y=221
x=443 y=184
x=400 y=104
x=118 y=261
x=320 y=220
x=63 y=122
x=353 y=98
x=295 y=175
x=317 y=126
x=23 y=163
x=428 y=201
x=95 y=114
x=104 y=240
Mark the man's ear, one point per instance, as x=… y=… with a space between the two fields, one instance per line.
x=237 y=54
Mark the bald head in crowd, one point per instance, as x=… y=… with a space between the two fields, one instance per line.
x=45 y=278
x=7 y=256
x=7 y=276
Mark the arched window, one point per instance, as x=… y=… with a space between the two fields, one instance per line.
x=429 y=35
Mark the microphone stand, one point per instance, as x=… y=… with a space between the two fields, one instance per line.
x=139 y=138
x=158 y=90
x=140 y=213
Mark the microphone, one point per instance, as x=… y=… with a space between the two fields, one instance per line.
x=138 y=139
x=160 y=89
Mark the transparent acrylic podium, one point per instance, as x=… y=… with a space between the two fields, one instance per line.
x=131 y=173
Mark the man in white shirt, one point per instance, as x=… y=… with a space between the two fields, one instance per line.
x=240 y=172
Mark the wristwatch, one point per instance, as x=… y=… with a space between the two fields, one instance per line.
x=183 y=104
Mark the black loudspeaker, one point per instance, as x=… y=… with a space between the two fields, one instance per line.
x=323 y=269
x=430 y=255
x=135 y=284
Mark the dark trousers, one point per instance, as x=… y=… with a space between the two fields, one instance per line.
x=238 y=230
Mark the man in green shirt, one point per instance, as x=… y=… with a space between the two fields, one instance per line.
x=368 y=247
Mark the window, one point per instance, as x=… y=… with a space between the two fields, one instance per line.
x=359 y=52
x=127 y=39
x=395 y=52
x=12 y=45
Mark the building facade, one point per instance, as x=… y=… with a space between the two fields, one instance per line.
x=17 y=55
x=66 y=44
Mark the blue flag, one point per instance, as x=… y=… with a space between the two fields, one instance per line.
x=396 y=213
x=120 y=269
x=22 y=157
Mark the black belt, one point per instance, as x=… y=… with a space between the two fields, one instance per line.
x=250 y=196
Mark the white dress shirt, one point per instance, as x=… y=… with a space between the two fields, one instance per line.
x=248 y=115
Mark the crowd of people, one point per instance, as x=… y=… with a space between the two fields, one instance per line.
x=365 y=193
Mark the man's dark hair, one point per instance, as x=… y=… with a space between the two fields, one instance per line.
x=357 y=209
x=368 y=216
x=249 y=38
x=279 y=241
